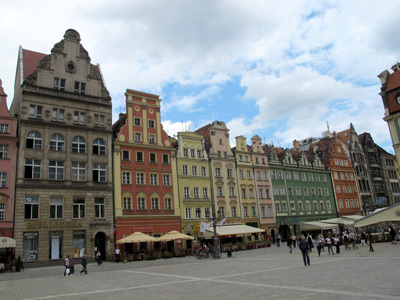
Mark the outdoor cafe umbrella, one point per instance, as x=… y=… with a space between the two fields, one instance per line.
x=6 y=242
x=174 y=235
x=137 y=237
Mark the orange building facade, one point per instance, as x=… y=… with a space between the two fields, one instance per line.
x=143 y=172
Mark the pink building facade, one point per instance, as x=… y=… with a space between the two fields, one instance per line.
x=8 y=158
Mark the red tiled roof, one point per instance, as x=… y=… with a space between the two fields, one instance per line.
x=393 y=81
x=30 y=61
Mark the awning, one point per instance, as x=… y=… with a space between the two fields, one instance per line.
x=352 y=217
x=340 y=221
x=6 y=242
x=232 y=230
x=389 y=214
x=304 y=226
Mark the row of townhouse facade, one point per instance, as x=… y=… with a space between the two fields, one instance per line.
x=72 y=182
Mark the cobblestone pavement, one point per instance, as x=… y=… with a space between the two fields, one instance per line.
x=267 y=273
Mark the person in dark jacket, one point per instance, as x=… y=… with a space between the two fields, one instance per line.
x=84 y=264
x=289 y=243
x=304 y=248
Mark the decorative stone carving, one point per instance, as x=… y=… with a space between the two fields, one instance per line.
x=58 y=48
x=45 y=63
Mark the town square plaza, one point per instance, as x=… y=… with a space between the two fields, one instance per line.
x=265 y=273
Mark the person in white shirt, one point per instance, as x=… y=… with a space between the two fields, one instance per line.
x=328 y=241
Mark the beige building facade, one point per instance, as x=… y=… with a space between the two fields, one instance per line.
x=64 y=201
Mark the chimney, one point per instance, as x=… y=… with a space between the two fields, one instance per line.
x=296 y=145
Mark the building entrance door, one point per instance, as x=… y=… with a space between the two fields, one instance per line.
x=100 y=244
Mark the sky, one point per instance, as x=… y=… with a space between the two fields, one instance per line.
x=283 y=70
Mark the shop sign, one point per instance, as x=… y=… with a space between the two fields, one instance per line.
x=143 y=229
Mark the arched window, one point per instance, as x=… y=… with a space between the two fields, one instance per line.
x=99 y=147
x=34 y=140
x=57 y=142
x=78 y=145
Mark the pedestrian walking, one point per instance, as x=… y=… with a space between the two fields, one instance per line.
x=370 y=239
x=84 y=264
x=289 y=243
x=67 y=269
x=392 y=234
x=294 y=240
x=304 y=248
x=117 y=253
x=320 y=244
x=278 y=240
x=363 y=237
x=336 y=243
x=98 y=258
x=352 y=238
x=345 y=238
x=310 y=242
x=329 y=244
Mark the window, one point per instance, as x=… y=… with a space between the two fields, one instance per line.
x=194 y=170
x=3 y=151
x=34 y=140
x=219 y=153
x=351 y=203
x=79 y=117
x=127 y=203
x=308 y=207
x=59 y=84
x=56 y=170
x=231 y=191
x=305 y=191
x=335 y=175
x=153 y=158
x=138 y=137
x=79 y=208
x=298 y=191
x=345 y=190
x=269 y=209
x=165 y=159
x=80 y=87
x=184 y=170
x=188 y=213
x=322 y=206
x=245 y=211
x=126 y=177
x=241 y=174
x=168 y=203
x=303 y=177
x=346 y=163
x=356 y=202
x=277 y=207
x=2 y=211
x=192 y=153
x=326 y=191
x=267 y=191
x=292 y=208
x=155 y=205
x=319 y=192
x=3 y=128
x=31 y=207
x=152 y=139
x=328 y=205
x=253 y=211
x=99 y=147
x=287 y=175
x=300 y=206
x=315 y=206
x=99 y=172
x=137 y=121
x=151 y=124
x=139 y=156
x=219 y=191
x=30 y=246
x=78 y=171
x=79 y=240
x=279 y=174
x=244 y=193
x=166 y=179
x=282 y=190
x=249 y=174
x=258 y=175
x=230 y=174
x=126 y=155
x=78 y=145
x=341 y=176
x=153 y=179
x=265 y=176
x=141 y=204
x=290 y=191
x=186 y=192
x=3 y=179
x=275 y=190
x=347 y=203
x=100 y=208
x=284 y=208
x=312 y=191
x=310 y=177
x=272 y=174
x=263 y=214
x=203 y=172
x=35 y=111
x=57 y=142
x=58 y=115
x=233 y=208
x=140 y=178
x=296 y=176
x=217 y=172
x=205 y=192
x=317 y=178
x=198 y=213
x=260 y=193
x=207 y=212
x=340 y=203
x=32 y=168
x=185 y=152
